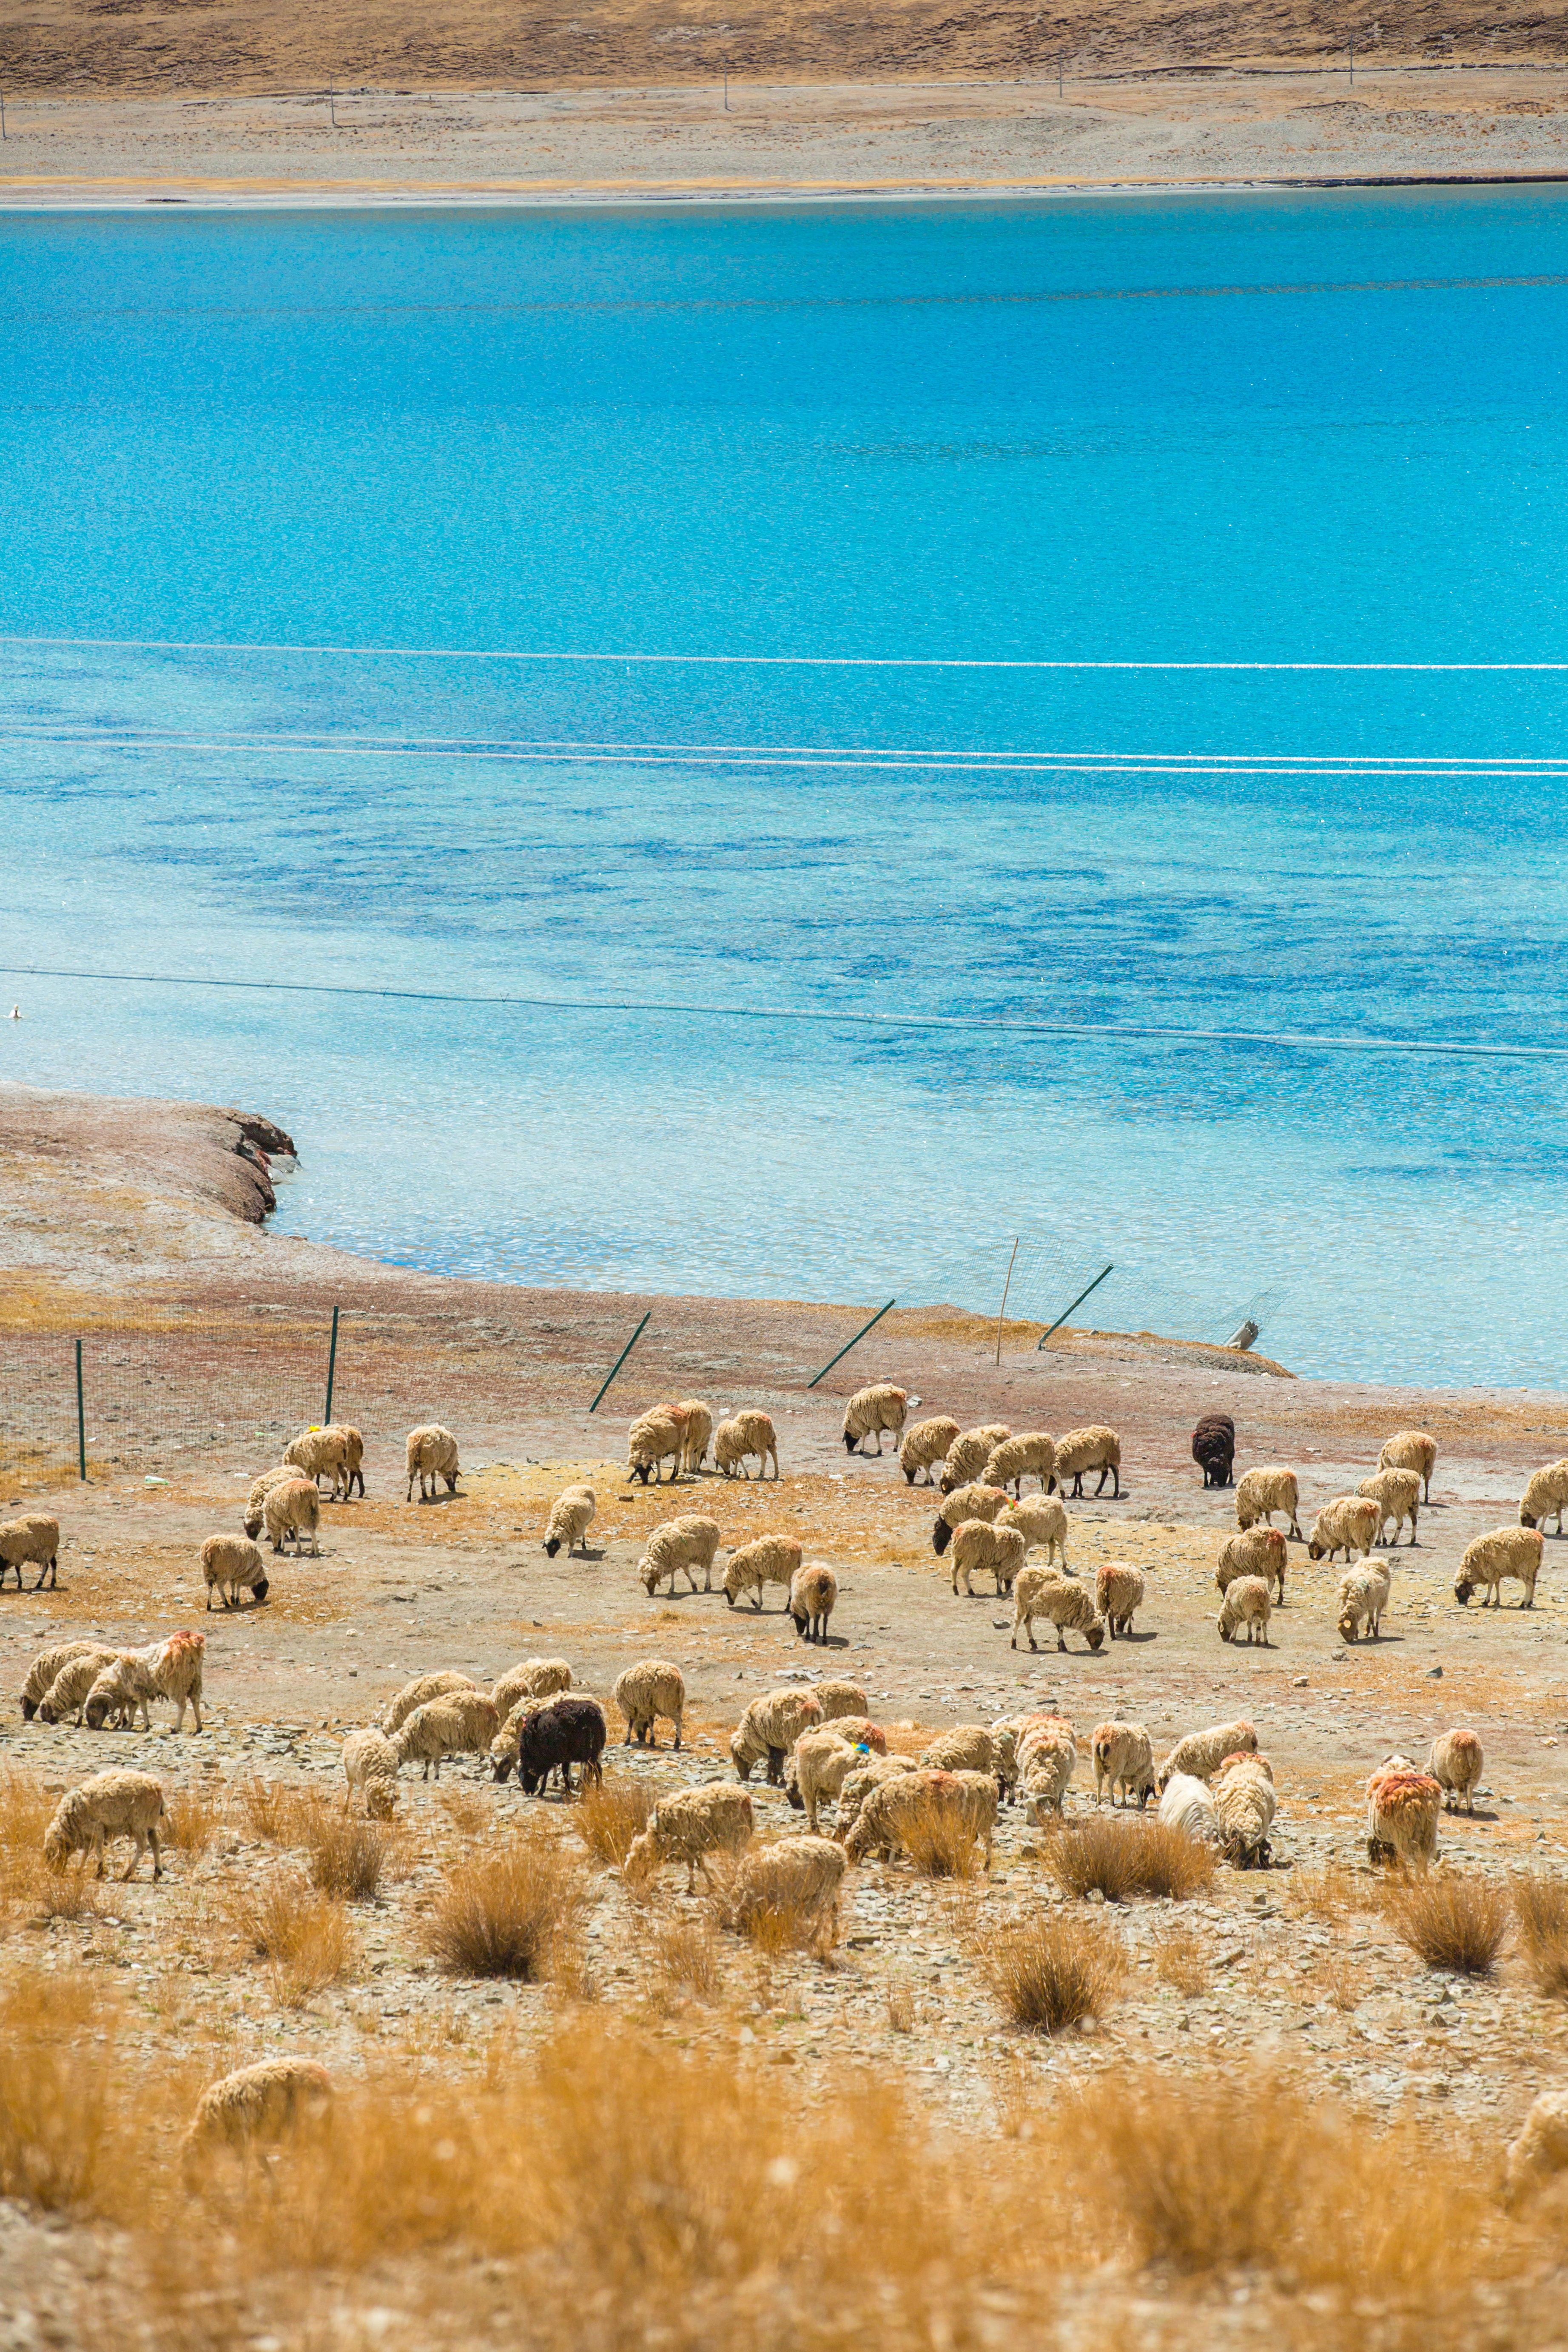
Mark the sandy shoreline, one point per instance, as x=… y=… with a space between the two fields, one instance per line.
x=787 y=142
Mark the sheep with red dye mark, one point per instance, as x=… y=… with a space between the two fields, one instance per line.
x=1402 y=1808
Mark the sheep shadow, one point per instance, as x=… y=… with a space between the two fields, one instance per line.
x=827 y=1642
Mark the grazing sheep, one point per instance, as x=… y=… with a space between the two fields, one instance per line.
x=569 y=1730
x=1047 y=1753
x=872 y=1413
x=1507 y=1552
x=770 y=1727
x=1123 y=1761
x=795 y=1877
x=679 y=1546
x=44 y=1669
x=504 y=1747
x=923 y=1804
x=354 y=1460
x=571 y=1515
x=696 y=1421
x=1363 y=1598
x=232 y=1565
x=745 y=1434
x=529 y=1678
x=1044 y=1592
x=109 y=1805
x=1265 y=1490
x=418 y=1693
x=478 y=1710
x=1245 y=1603
x=995 y=1552
x=767 y=1560
x=871 y=1772
x=646 y=1691
x=1402 y=1809
x=1042 y=1524
x=316 y=1452
x=1260 y=1552
x=1118 y=1595
x=445 y=1726
x=1545 y=1494
x=1456 y=1763
x=1214 y=1448
x=1186 y=1804
x=854 y=1730
x=970 y=1451
x=1397 y=1494
x=1031 y=1455
x=125 y=1686
x=1540 y=2151
x=1200 y=1754
x=282 y=1474
x=974 y=1748
x=432 y=1453
x=924 y=1446
x=1349 y=1524
x=369 y=1760
x=35 y=1538
x=275 y=2100
x=972 y=1501
x=653 y=1439
x=689 y=1826
x=293 y=1510
x=1244 y=1803
x=1412 y=1449
x=178 y=1673
x=812 y=1596
x=840 y=1700
x=66 y=1694
x=819 y=1764
x=1083 y=1450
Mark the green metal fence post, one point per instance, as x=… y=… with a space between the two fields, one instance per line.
x=1062 y=1317
x=331 y=1370
x=855 y=1342
x=81 y=1418
x=620 y=1359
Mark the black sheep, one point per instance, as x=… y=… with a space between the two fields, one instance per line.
x=1214 y=1448
x=570 y=1732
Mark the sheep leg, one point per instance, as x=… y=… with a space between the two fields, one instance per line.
x=97 y=1846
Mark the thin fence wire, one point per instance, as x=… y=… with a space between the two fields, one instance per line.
x=1048 y=1276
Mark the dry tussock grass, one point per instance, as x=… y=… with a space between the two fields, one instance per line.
x=1050 y=1973
x=1180 y=1959
x=610 y=1814
x=1541 y=1912
x=1457 y=1923
x=937 y=1845
x=273 y=1810
x=1331 y=1893
x=684 y=1962
x=772 y=1922
x=304 y=1937
x=345 y=1853
x=1130 y=1856
x=898 y=1998
x=54 y=2109
x=513 y=1913
x=468 y=1815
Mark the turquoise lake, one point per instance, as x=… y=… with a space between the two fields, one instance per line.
x=944 y=721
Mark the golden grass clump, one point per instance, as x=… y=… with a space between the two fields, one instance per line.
x=685 y=1962
x=53 y=2099
x=1541 y=1912
x=305 y=1937
x=1130 y=1856
x=610 y=1814
x=1331 y=1891
x=1452 y=1922
x=898 y=1996
x=1180 y=1959
x=1050 y=1973
x=937 y=1845
x=346 y=1852
x=191 y=1820
x=271 y=1811
x=516 y=1912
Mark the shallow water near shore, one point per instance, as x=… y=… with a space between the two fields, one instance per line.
x=1250 y=909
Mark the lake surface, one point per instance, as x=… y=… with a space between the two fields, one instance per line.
x=921 y=923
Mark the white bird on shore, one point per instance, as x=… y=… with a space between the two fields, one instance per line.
x=16 y=1013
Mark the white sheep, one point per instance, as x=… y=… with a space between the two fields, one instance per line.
x=1257 y=1551
x=1031 y=1455
x=1265 y=1490
x=109 y=1805
x=874 y=1412
x=1349 y=1524
x=1187 y=1804
x=1083 y=1450
x=995 y=1552
x=819 y=1764
x=1412 y=1449
x=277 y=2099
x=1123 y=1762
x=34 y=1539
x=855 y=1730
x=1244 y=1803
x=1047 y=1753
x=769 y=1728
x=44 y=1669
x=839 y=1698
x=571 y=1515
x=969 y=1453
x=321 y=1452
x=797 y=1878
x=812 y=1595
x=869 y=1772
x=1455 y=1763
x=1397 y=1494
x=687 y=1826
x=1363 y=1598
x=972 y=1501
x=1540 y=2151
x=294 y=1511
x=1118 y=1595
x=1245 y=1603
x=653 y=1439
x=735 y=1441
x=1200 y=1754
x=646 y=1691
x=417 y=1693
x=431 y=1454
x=458 y=1724
x=282 y=1474
x=953 y=1807
x=66 y=1694
x=696 y=1421
x=126 y=1686
x=529 y=1678
x=1545 y=1494
x=1402 y=1809
x=976 y=1748
x=1045 y=1592
x=1043 y=1524
x=750 y=1568
x=370 y=1762
x=680 y=1547
x=1507 y=1552
x=232 y=1565
x=924 y=1446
